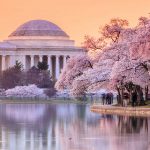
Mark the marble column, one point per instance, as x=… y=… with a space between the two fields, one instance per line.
x=57 y=70
x=3 y=62
x=64 y=60
x=40 y=58
x=24 y=62
x=49 y=64
x=32 y=60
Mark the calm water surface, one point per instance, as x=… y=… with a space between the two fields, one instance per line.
x=69 y=127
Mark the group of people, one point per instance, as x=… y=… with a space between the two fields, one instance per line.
x=107 y=98
x=136 y=98
x=133 y=98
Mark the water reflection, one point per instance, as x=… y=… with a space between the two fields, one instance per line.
x=132 y=124
x=69 y=127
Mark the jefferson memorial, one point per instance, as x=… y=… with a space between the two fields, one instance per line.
x=38 y=40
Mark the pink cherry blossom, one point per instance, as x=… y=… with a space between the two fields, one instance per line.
x=126 y=58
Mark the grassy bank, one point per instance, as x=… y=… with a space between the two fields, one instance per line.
x=49 y=101
x=117 y=110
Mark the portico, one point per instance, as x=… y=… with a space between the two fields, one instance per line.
x=37 y=41
x=55 y=62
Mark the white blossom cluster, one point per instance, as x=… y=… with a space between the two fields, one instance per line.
x=25 y=91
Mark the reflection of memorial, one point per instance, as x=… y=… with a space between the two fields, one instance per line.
x=25 y=127
x=68 y=127
x=25 y=113
x=45 y=129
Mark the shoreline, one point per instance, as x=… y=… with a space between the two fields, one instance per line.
x=50 y=101
x=121 y=111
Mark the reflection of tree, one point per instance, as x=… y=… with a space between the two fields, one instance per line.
x=41 y=124
x=131 y=124
x=81 y=110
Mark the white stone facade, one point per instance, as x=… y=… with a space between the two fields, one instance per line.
x=35 y=41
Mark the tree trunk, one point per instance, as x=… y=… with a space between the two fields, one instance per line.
x=119 y=96
x=130 y=95
x=122 y=96
x=140 y=98
x=146 y=93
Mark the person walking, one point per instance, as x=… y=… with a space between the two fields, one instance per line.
x=111 y=97
x=107 y=98
x=103 y=98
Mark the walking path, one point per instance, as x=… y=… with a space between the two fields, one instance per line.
x=116 y=110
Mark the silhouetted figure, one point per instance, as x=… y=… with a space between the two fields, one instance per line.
x=134 y=98
x=111 y=98
x=91 y=97
x=84 y=97
x=107 y=98
x=103 y=98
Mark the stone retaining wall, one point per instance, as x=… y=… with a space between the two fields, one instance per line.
x=129 y=111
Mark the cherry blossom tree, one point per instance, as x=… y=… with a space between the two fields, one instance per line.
x=73 y=69
x=114 y=28
x=143 y=21
x=94 y=45
x=133 y=54
x=122 y=61
x=128 y=71
x=94 y=77
x=111 y=32
x=25 y=91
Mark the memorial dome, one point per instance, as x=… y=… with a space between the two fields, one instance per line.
x=38 y=28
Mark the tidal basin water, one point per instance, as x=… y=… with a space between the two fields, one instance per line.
x=69 y=127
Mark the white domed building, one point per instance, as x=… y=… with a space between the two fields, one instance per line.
x=38 y=40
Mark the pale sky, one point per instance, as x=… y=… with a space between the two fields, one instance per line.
x=76 y=17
